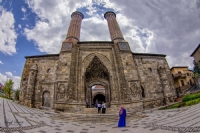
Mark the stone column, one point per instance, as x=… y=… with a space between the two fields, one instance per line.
x=165 y=83
x=31 y=85
x=73 y=33
x=115 y=32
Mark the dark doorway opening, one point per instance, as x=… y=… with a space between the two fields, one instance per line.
x=100 y=98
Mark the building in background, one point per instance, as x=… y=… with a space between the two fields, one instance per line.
x=1 y=88
x=183 y=78
x=196 y=55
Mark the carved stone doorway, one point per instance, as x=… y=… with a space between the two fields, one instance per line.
x=46 y=99
x=97 y=74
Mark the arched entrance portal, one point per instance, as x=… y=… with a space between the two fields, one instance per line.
x=97 y=74
x=46 y=99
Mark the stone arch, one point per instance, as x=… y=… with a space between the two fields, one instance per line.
x=102 y=82
x=96 y=94
x=46 y=99
x=87 y=60
x=96 y=69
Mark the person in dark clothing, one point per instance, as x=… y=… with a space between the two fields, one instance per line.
x=103 y=108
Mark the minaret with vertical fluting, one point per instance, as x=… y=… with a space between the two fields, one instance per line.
x=75 y=26
x=115 y=32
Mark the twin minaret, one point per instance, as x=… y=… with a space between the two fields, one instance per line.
x=73 y=33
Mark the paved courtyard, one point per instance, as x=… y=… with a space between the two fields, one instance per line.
x=17 y=118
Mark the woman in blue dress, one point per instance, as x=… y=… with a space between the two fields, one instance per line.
x=122 y=117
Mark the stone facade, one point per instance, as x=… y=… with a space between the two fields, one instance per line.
x=63 y=81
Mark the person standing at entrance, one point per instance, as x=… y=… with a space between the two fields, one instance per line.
x=103 y=108
x=99 y=108
x=122 y=117
x=96 y=103
x=87 y=103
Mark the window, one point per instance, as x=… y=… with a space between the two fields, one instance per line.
x=143 y=93
x=190 y=81
x=188 y=74
x=48 y=70
x=150 y=69
x=182 y=82
x=179 y=72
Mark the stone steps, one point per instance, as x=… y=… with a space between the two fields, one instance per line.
x=95 y=111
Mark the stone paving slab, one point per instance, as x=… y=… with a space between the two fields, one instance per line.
x=31 y=120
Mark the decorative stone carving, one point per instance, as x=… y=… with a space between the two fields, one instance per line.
x=114 y=96
x=61 y=92
x=71 y=96
x=135 y=90
x=96 y=69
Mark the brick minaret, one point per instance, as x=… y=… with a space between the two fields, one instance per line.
x=73 y=33
x=115 y=32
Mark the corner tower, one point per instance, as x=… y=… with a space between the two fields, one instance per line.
x=115 y=32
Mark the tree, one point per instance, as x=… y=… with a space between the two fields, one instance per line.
x=196 y=68
x=17 y=95
x=8 y=88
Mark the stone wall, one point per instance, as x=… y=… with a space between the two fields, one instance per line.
x=135 y=80
x=156 y=85
x=45 y=78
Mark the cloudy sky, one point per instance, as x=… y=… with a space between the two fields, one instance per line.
x=35 y=27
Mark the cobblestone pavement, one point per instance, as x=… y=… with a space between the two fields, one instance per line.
x=19 y=119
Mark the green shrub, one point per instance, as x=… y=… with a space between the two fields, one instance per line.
x=177 y=105
x=190 y=97
x=192 y=102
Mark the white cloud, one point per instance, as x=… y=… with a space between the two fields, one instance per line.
x=149 y=26
x=19 y=26
x=1 y=62
x=9 y=75
x=7 y=33
x=23 y=9
x=24 y=12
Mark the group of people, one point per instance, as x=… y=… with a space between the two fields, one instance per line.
x=99 y=105
x=102 y=106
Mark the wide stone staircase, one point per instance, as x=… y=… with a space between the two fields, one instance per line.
x=90 y=115
x=95 y=111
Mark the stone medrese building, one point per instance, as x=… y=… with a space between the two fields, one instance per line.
x=63 y=81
